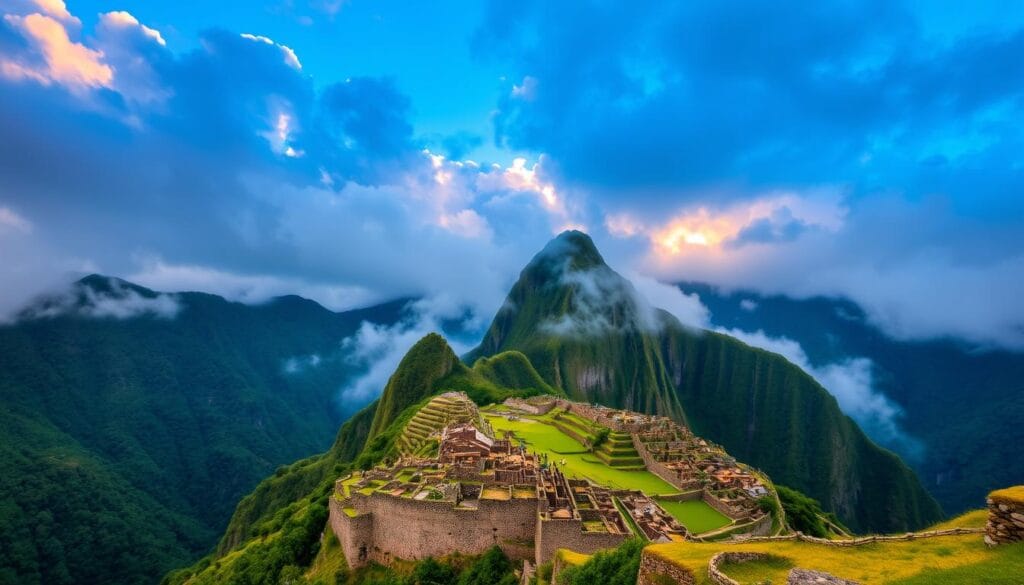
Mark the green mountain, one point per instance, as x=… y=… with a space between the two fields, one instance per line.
x=587 y=331
x=132 y=422
x=960 y=403
x=279 y=524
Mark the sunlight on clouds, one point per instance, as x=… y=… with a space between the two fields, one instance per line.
x=124 y=19
x=708 y=229
x=56 y=9
x=280 y=134
x=66 y=62
x=290 y=58
x=520 y=177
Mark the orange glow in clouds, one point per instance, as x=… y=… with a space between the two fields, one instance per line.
x=697 y=229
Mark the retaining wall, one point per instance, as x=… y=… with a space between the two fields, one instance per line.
x=392 y=527
x=555 y=534
x=657 y=571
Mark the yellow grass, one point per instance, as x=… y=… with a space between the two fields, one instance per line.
x=883 y=562
x=1011 y=494
x=570 y=558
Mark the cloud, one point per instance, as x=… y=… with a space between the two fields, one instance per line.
x=896 y=147
x=112 y=299
x=603 y=301
x=290 y=58
x=688 y=308
x=299 y=364
x=378 y=349
x=124 y=20
x=52 y=57
x=748 y=304
x=850 y=380
x=872 y=163
x=12 y=222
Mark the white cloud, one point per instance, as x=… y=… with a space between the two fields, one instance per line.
x=380 y=348
x=290 y=58
x=124 y=20
x=12 y=222
x=688 y=308
x=527 y=90
x=748 y=304
x=119 y=302
x=299 y=364
x=247 y=288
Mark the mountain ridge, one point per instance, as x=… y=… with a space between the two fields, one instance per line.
x=147 y=421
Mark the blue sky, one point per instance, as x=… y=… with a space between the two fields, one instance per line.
x=358 y=151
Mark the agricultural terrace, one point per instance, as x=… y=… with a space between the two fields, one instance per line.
x=695 y=515
x=925 y=561
x=539 y=435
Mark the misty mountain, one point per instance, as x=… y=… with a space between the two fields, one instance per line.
x=132 y=422
x=587 y=331
x=959 y=404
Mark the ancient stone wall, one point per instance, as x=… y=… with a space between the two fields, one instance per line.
x=717 y=576
x=409 y=529
x=654 y=466
x=657 y=571
x=555 y=534
x=354 y=533
x=1005 y=516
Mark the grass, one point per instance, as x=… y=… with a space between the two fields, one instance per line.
x=696 y=515
x=1011 y=494
x=328 y=560
x=932 y=561
x=542 y=437
x=751 y=572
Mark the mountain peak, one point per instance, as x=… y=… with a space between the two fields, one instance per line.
x=573 y=248
x=428 y=360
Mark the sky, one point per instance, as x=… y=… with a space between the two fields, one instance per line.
x=355 y=151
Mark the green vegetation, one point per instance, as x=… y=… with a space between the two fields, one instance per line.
x=618 y=566
x=805 y=514
x=125 y=444
x=542 y=437
x=295 y=491
x=963 y=405
x=512 y=369
x=696 y=515
x=748 y=400
x=426 y=362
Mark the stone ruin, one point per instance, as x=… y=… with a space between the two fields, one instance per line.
x=1005 y=516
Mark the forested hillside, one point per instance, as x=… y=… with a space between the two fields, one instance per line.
x=959 y=402
x=277 y=528
x=132 y=422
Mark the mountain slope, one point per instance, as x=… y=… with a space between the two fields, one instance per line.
x=133 y=421
x=960 y=402
x=284 y=503
x=587 y=331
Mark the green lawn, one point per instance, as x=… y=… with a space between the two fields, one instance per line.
x=695 y=515
x=545 y=438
